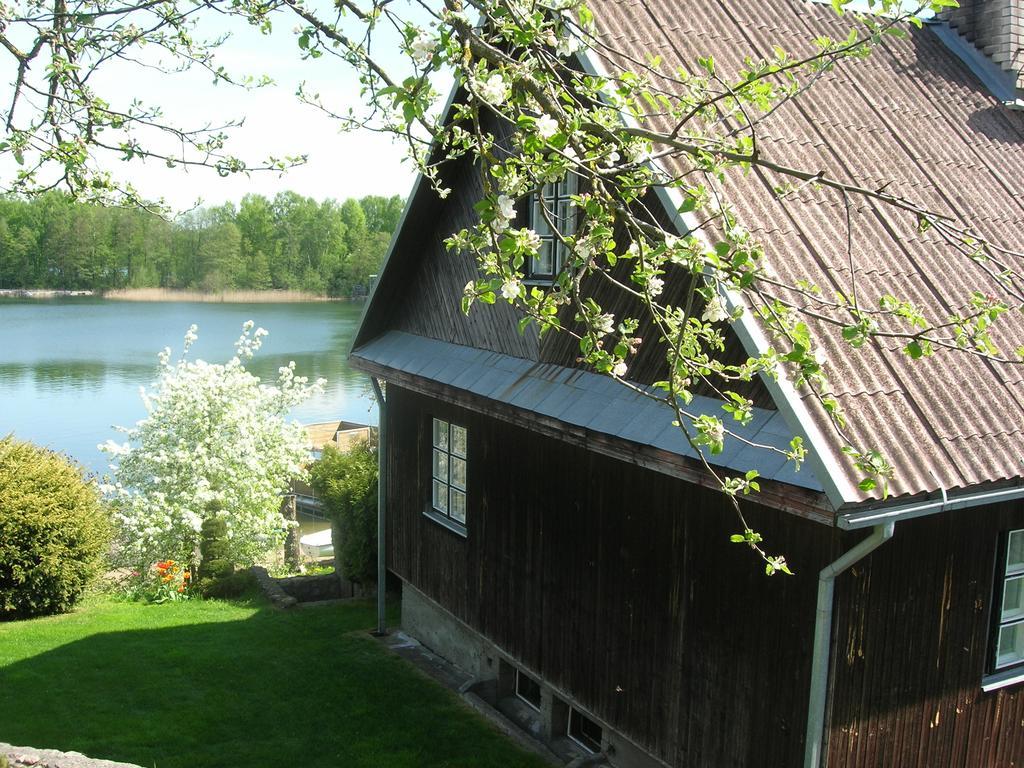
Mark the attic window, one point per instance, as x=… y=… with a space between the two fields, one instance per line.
x=552 y=206
x=1008 y=628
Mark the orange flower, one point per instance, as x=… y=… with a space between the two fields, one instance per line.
x=187 y=576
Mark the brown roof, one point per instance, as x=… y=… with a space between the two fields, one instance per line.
x=916 y=118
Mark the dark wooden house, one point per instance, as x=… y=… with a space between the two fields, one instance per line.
x=555 y=536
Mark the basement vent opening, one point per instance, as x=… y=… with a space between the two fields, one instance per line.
x=584 y=731
x=527 y=689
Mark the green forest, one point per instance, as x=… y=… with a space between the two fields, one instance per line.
x=288 y=242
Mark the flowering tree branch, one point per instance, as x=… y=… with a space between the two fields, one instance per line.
x=528 y=113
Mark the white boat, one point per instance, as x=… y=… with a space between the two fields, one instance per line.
x=317 y=545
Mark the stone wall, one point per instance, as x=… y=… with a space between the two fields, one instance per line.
x=287 y=592
x=27 y=757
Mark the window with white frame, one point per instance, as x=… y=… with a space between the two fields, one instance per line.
x=553 y=206
x=1008 y=642
x=448 y=471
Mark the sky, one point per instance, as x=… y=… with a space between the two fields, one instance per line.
x=340 y=165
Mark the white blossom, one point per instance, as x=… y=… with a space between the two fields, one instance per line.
x=567 y=45
x=422 y=47
x=510 y=289
x=604 y=324
x=506 y=207
x=494 y=90
x=620 y=369
x=715 y=311
x=546 y=126
x=655 y=285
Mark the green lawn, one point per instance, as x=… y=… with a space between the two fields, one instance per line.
x=206 y=684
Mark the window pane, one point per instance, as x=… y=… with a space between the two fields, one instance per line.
x=458 y=473
x=540 y=222
x=1015 y=552
x=440 y=469
x=1013 y=599
x=1011 y=645
x=441 y=434
x=458 y=510
x=542 y=264
x=569 y=184
x=441 y=496
x=458 y=440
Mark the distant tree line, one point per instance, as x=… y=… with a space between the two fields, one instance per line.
x=288 y=242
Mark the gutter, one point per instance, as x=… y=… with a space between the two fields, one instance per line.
x=382 y=478
x=818 y=697
x=852 y=521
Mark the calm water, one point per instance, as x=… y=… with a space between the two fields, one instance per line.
x=71 y=369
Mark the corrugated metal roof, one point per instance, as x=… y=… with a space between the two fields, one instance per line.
x=911 y=114
x=581 y=399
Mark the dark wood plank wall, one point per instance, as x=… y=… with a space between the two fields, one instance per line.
x=618 y=585
x=912 y=636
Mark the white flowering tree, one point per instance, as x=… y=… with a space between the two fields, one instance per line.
x=529 y=111
x=215 y=441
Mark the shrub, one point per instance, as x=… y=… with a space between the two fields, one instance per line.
x=346 y=484
x=237 y=584
x=53 y=531
x=214 y=556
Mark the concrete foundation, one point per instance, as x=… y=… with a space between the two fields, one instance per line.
x=492 y=672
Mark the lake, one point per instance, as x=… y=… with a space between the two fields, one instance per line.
x=70 y=369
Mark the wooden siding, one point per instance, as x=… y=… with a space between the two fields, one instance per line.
x=616 y=584
x=912 y=636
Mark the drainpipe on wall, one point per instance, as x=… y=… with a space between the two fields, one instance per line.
x=814 y=737
x=382 y=485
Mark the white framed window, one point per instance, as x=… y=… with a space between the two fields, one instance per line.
x=584 y=731
x=448 y=471
x=527 y=689
x=1008 y=628
x=552 y=206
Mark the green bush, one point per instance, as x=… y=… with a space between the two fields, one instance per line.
x=233 y=585
x=54 y=531
x=346 y=484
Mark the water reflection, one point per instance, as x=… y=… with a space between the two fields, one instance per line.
x=59 y=375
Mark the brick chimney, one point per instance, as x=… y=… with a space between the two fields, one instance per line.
x=996 y=29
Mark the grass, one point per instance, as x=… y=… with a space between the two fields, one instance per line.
x=211 y=683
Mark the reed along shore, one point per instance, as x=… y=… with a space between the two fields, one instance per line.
x=215 y=297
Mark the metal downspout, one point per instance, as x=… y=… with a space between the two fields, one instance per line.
x=382 y=485
x=817 y=699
